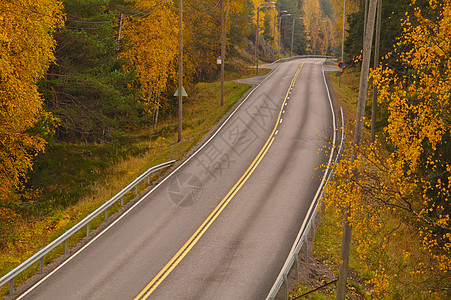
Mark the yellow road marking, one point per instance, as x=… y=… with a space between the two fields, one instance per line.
x=156 y=281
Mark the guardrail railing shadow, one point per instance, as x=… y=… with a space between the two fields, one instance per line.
x=64 y=238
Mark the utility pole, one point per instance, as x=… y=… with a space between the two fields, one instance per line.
x=347 y=229
x=268 y=4
x=119 y=31
x=278 y=16
x=365 y=18
x=292 y=34
x=343 y=32
x=274 y=35
x=180 y=70
x=280 y=31
x=223 y=41
x=376 y=63
x=343 y=39
x=257 y=29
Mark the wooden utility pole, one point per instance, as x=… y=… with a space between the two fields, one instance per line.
x=223 y=45
x=376 y=64
x=347 y=230
x=223 y=41
x=180 y=70
x=256 y=41
x=292 y=34
x=263 y=5
x=119 y=36
x=343 y=32
x=343 y=40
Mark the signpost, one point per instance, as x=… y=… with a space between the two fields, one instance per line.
x=341 y=65
x=184 y=94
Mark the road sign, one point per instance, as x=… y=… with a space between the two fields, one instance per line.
x=219 y=60
x=184 y=94
x=341 y=65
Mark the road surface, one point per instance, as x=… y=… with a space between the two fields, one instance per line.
x=221 y=225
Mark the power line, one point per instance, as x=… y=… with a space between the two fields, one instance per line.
x=89 y=22
x=206 y=11
x=155 y=6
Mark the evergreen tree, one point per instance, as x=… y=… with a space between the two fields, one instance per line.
x=86 y=89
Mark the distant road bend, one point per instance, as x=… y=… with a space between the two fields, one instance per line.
x=221 y=225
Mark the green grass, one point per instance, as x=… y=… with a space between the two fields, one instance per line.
x=328 y=244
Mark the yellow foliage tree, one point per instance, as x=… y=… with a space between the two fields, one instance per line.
x=202 y=37
x=151 y=47
x=26 y=47
x=407 y=176
x=314 y=25
x=352 y=6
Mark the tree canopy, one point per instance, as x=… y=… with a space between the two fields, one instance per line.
x=26 y=47
x=406 y=174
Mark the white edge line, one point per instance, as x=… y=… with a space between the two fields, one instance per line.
x=304 y=223
x=147 y=194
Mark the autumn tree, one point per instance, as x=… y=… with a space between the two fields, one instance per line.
x=318 y=20
x=352 y=6
x=300 y=40
x=202 y=36
x=26 y=47
x=392 y=14
x=407 y=174
x=150 y=47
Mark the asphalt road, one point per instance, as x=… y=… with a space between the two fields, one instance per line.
x=221 y=225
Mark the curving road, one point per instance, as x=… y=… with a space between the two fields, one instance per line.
x=222 y=224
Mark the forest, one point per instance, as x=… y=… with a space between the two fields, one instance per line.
x=82 y=80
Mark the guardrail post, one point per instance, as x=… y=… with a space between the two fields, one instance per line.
x=11 y=286
x=148 y=179
x=319 y=215
x=285 y=283
x=296 y=265
x=106 y=213
x=66 y=246
x=41 y=264
x=88 y=226
x=136 y=189
x=306 y=249
x=122 y=201
x=313 y=227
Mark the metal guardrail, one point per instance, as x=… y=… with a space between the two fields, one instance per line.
x=302 y=239
x=304 y=56
x=39 y=256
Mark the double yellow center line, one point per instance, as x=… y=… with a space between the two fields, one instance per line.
x=157 y=280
